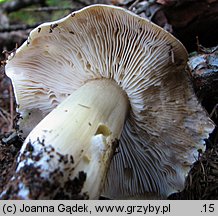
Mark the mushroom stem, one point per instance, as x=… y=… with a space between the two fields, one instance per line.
x=86 y=125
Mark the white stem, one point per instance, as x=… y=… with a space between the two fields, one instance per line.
x=85 y=126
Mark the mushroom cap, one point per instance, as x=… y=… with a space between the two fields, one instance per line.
x=166 y=124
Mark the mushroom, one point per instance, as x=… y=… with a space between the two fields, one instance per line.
x=109 y=89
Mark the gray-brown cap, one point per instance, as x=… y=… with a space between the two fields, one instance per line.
x=165 y=126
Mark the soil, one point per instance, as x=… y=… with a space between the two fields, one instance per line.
x=202 y=181
x=57 y=186
x=8 y=153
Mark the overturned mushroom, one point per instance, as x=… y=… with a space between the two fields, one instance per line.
x=116 y=77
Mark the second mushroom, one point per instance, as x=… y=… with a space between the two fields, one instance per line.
x=110 y=90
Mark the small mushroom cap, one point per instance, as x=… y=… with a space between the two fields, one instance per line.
x=166 y=124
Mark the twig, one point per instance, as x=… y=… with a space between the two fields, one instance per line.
x=203 y=171
x=83 y=2
x=16 y=5
x=5 y=116
x=17 y=27
x=214 y=111
x=11 y=107
x=198 y=44
x=133 y=5
x=49 y=9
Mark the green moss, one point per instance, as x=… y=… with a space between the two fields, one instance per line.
x=31 y=17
